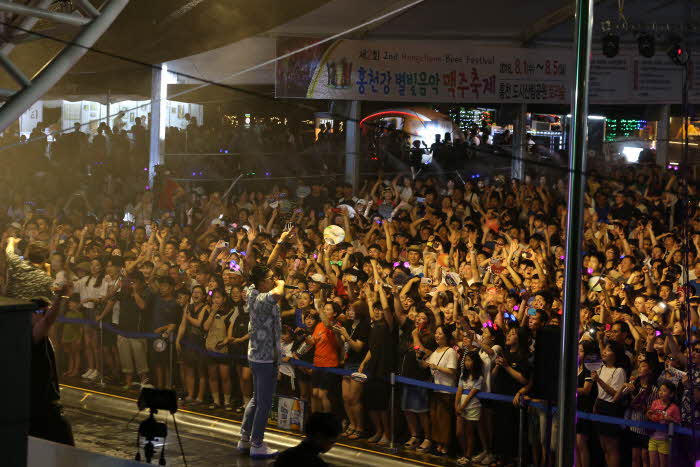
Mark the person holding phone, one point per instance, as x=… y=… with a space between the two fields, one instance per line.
x=264 y=355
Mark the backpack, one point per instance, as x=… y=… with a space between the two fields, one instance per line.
x=217 y=333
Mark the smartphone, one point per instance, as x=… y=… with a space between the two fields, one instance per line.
x=420 y=200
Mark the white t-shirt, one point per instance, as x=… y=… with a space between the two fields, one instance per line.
x=444 y=359
x=467 y=387
x=90 y=291
x=488 y=361
x=613 y=377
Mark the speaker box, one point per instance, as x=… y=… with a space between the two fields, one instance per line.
x=547 y=351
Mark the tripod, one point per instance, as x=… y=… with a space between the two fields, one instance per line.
x=151 y=429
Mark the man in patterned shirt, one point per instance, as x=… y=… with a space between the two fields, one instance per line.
x=264 y=356
x=26 y=278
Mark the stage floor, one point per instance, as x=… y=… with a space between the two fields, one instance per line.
x=107 y=424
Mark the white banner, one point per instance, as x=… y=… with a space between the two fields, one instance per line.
x=456 y=71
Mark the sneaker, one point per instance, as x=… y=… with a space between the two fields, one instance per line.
x=87 y=374
x=145 y=383
x=488 y=460
x=214 y=406
x=228 y=407
x=479 y=457
x=262 y=452
x=243 y=446
x=93 y=376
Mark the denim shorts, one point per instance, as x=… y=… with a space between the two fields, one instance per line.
x=415 y=399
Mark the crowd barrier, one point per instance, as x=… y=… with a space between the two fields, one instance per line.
x=394 y=380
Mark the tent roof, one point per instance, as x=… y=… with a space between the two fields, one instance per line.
x=155 y=31
x=215 y=40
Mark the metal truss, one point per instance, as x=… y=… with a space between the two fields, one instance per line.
x=80 y=16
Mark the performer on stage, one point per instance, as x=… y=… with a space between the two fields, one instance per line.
x=264 y=355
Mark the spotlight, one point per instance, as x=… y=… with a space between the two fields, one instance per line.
x=611 y=45
x=677 y=53
x=645 y=43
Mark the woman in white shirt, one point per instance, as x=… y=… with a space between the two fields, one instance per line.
x=443 y=365
x=92 y=289
x=610 y=379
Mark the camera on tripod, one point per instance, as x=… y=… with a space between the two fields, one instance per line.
x=151 y=429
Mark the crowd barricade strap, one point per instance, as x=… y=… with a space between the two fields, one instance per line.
x=403 y=380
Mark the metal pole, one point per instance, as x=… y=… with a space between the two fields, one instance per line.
x=522 y=433
x=572 y=286
x=170 y=367
x=159 y=96
x=61 y=64
x=392 y=414
x=663 y=135
x=352 y=145
x=101 y=354
x=517 y=168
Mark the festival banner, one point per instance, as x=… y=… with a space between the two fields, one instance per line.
x=460 y=72
x=422 y=71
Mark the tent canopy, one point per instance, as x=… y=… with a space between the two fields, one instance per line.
x=222 y=41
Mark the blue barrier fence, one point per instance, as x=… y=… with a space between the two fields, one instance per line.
x=670 y=428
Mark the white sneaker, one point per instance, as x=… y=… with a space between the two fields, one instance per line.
x=87 y=374
x=262 y=452
x=94 y=375
x=243 y=446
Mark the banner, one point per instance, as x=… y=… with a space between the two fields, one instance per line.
x=460 y=72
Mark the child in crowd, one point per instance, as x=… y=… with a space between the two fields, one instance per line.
x=72 y=337
x=662 y=410
x=468 y=406
x=286 y=385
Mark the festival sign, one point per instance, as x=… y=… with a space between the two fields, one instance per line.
x=423 y=71
x=457 y=71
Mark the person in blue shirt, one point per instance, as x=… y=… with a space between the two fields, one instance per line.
x=164 y=319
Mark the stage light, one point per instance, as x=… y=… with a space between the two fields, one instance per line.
x=631 y=153
x=677 y=53
x=611 y=45
x=645 y=43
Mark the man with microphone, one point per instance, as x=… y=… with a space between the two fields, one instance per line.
x=264 y=353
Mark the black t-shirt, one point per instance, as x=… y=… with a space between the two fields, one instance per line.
x=131 y=317
x=240 y=329
x=407 y=358
x=361 y=333
x=585 y=402
x=381 y=345
x=624 y=212
x=503 y=383
x=165 y=311
x=44 y=378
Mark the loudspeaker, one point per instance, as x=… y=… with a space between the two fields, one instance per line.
x=546 y=375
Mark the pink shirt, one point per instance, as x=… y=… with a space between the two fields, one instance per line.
x=661 y=413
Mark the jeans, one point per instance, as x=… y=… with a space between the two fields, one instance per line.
x=258 y=408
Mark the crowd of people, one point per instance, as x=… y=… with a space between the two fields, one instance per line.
x=433 y=278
